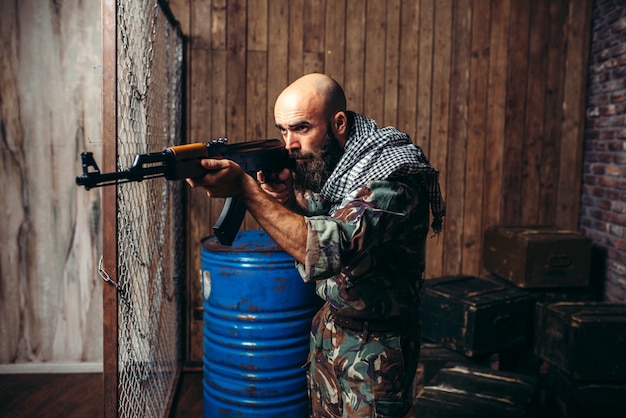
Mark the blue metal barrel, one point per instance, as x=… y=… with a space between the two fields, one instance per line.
x=257 y=319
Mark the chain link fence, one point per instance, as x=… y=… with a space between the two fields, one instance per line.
x=150 y=240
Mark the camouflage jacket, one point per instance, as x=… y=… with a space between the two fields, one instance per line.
x=367 y=227
x=367 y=254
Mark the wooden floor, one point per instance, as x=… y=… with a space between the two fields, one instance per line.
x=55 y=395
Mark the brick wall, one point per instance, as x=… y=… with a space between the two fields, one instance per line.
x=603 y=211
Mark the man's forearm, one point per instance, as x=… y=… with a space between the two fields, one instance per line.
x=287 y=228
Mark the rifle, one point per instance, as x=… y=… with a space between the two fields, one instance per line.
x=183 y=161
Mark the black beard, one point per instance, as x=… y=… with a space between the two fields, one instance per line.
x=313 y=174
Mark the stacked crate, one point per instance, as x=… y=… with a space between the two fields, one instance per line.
x=550 y=264
x=584 y=345
x=577 y=344
x=539 y=257
x=474 y=318
x=531 y=271
x=433 y=357
x=466 y=391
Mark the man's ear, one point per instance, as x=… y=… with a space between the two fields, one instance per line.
x=340 y=126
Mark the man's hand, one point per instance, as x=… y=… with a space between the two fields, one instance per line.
x=280 y=186
x=224 y=178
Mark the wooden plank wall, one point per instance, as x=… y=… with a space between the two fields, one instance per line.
x=493 y=90
x=50 y=110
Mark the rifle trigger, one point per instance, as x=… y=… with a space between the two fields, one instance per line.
x=104 y=275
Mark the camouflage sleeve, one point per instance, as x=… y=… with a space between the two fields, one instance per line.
x=312 y=204
x=346 y=237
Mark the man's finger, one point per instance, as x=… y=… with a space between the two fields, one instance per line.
x=284 y=175
x=213 y=164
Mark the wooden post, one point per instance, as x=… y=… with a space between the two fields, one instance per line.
x=109 y=208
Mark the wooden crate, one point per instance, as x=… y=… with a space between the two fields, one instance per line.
x=470 y=391
x=585 y=340
x=433 y=357
x=474 y=315
x=537 y=256
x=522 y=358
x=568 y=398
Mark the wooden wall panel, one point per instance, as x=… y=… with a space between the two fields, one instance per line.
x=409 y=69
x=535 y=108
x=425 y=47
x=457 y=143
x=375 y=53
x=335 y=38
x=476 y=135
x=257 y=26
x=296 y=37
x=496 y=103
x=50 y=110
x=553 y=110
x=314 y=39
x=392 y=60
x=277 y=59
x=491 y=89
x=574 y=101
x=440 y=130
x=355 y=53
x=515 y=111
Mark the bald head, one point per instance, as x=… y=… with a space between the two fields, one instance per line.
x=312 y=106
x=315 y=92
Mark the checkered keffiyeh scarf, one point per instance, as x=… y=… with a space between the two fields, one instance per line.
x=372 y=153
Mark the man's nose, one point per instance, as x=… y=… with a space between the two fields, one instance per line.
x=291 y=141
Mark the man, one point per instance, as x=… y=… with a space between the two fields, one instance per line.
x=354 y=215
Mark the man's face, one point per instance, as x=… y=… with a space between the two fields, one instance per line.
x=314 y=168
x=310 y=141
